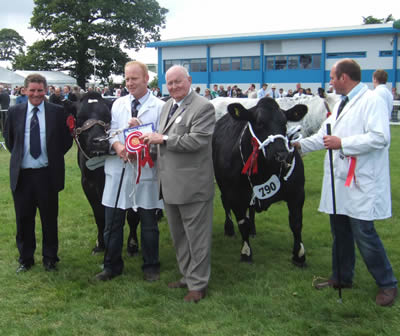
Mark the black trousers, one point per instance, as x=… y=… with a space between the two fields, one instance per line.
x=34 y=191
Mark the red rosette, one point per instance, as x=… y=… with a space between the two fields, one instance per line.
x=132 y=142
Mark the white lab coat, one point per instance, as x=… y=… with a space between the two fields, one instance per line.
x=145 y=194
x=387 y=96
x=365 y=134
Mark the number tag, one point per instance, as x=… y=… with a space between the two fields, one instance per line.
x=268 y=189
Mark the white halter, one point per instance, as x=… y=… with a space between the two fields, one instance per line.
x=292 y=131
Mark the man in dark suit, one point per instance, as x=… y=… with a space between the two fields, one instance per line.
x=37 y=136
x=186 y=177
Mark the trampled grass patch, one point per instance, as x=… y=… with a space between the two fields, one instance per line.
x=269 y=297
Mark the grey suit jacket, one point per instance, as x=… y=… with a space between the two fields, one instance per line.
x=185 y=169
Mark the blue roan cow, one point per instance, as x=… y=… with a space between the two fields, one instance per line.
x=254 y=163
x=92 y=121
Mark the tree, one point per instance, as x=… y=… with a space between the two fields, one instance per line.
x=71 y=27
x=11 y=43
x=372 y=20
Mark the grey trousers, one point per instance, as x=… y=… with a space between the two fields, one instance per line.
x=191 y=231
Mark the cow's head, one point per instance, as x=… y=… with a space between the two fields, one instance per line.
x=268 y=125
x=92 y=121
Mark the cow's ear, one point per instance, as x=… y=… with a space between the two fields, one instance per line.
x=296 y=113
x=238 y=112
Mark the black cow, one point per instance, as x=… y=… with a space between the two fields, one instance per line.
x=255 y=164
x=92 y=121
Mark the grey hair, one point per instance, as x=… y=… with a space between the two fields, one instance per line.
x=185 y=71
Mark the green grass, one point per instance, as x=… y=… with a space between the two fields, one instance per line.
x=270 y=297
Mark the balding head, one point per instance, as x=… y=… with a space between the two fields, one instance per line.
x=178 y=82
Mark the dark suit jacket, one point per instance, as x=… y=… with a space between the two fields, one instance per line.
x=58 y=141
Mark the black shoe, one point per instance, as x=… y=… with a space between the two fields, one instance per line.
x=151 y=276
x=104 y=276
x=22 y=268
x=49 y=266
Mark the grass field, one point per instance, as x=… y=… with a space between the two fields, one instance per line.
x=269 y=297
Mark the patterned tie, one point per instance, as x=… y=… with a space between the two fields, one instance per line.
x=134 y=110
x=172 y=111
x=34 y=140
x=344 y=101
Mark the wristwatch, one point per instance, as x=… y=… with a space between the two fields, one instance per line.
x=165 y=138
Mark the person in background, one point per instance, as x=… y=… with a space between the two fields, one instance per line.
x=395 y=95
x=251 y=91
x=379 y=79
x=22 y=97
x=197 y=90
x=4 y=98
x=263 y=91
x=207 y=94
x=186 y=177
x=214 y=91
x=56 y=97
x=37 y=136
x=360 y=139
x=68 y=94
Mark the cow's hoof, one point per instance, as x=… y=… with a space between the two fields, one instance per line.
x=132 y=250
x=98 y=250
x=229 y=233
x=300 y=262
x=245 y=258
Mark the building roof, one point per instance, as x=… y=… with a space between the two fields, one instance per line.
x=369 y=29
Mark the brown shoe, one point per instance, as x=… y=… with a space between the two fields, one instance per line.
x=151 y=276
x=386 y=296
x=177 y=284
x=332 y=283
x=195 y=296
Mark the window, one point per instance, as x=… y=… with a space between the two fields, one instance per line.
x=215 y=64
x=293 y=62
x=198 y=65
x=351 y=54
x=192 y=65
x=270 y=62
x=305 y=61
x=280 y=62
x=225 y=64
x=388 y=53
x=316 y=62
x=236 y=63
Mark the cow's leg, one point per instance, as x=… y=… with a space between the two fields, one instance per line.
x=246 y=253
x=228 y=226
x=132 y=247
x=296 y=223
x=252 y=218
x=94 y=199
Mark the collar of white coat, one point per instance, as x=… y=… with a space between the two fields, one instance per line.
x=142 y=100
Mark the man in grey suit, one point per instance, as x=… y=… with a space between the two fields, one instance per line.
x=186 y=178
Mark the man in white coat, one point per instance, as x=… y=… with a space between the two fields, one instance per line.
x=379 y=79
x=360 y=139
x=139 y=107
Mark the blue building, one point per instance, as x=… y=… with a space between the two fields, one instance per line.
x=282 y=58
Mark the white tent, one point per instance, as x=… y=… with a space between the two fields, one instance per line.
x=10 y=78
x=55 y=78
x=118 y=79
